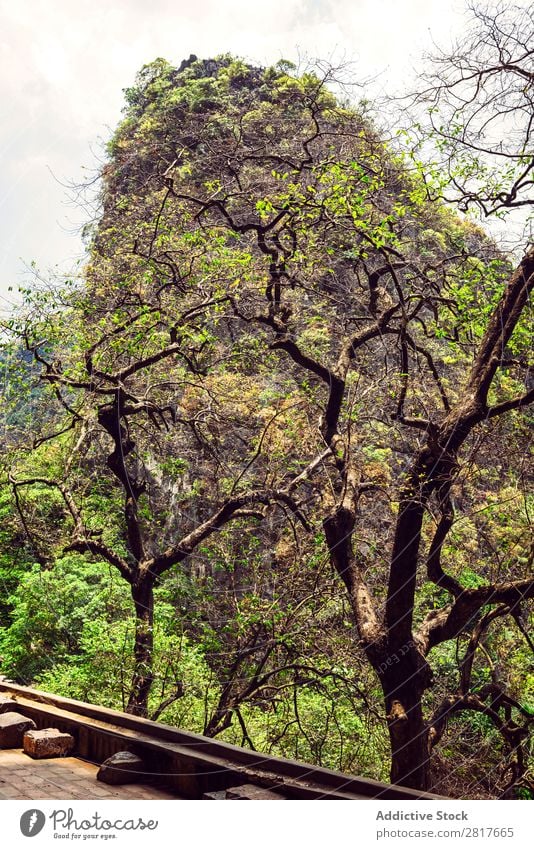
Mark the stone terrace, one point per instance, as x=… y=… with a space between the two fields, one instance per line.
x=63 y=778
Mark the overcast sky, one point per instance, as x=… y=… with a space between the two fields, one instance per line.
x=64 y=64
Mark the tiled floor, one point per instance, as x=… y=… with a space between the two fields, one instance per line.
x=22 y=777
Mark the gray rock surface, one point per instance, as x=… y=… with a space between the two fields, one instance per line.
x=122 y=768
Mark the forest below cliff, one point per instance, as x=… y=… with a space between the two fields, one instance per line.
x=265 y=472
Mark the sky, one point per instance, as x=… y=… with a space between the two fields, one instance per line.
x=64 y=64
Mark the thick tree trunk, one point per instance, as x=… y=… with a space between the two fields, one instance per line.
x=408 y=734
x=404 y=676
x=403 y=671
x=143 y=598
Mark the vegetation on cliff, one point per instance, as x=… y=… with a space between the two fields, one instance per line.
x=276 y=483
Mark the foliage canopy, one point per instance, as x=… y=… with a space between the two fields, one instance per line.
x=275 y=409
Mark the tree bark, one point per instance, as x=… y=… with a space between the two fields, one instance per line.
x=143 y=599
x=405 y=675
x=408 y=734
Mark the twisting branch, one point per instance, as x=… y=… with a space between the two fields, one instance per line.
x=218 y=520
x=82 y=540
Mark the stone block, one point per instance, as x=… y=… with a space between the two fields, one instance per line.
x=122 y=768
x=215 y=794
x=49 y=743
x=7 y=704
x=251 y=792
x=13 y=726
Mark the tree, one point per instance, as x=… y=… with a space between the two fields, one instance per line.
x=275 y=305
x=481 y=105
x=480 y=98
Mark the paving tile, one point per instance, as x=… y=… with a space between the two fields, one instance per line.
x=100 y=791
x=37 y=779
x=45 y=792
x=16 y=796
